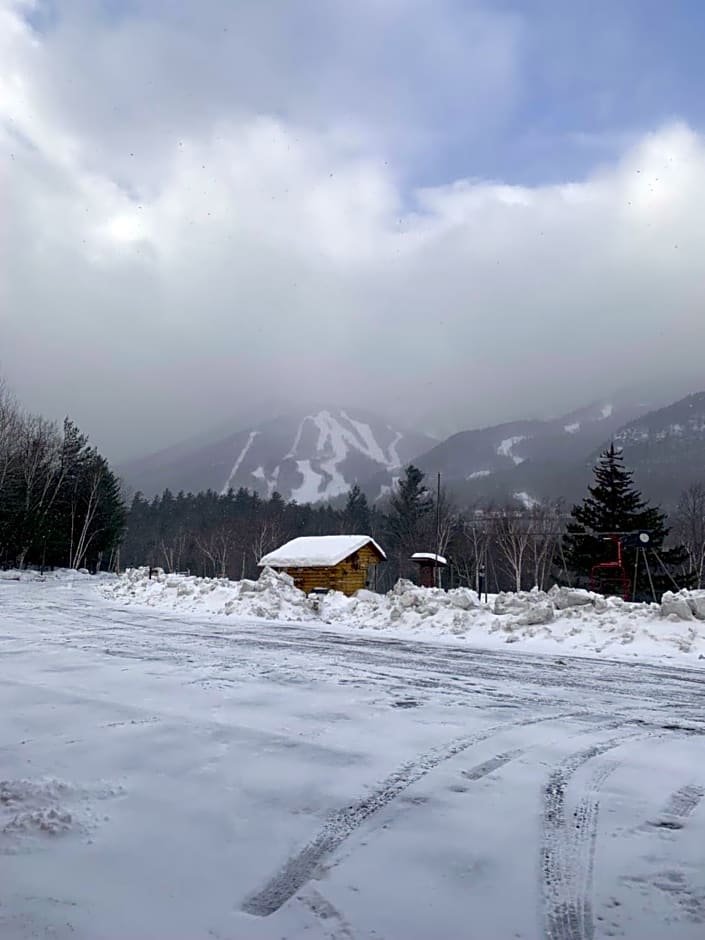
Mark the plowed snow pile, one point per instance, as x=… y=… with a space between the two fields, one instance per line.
x=31 y=809
x=69 y=575
x=568 y=619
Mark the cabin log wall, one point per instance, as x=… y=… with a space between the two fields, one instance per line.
x=348 y=576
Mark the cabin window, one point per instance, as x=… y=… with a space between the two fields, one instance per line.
x=355 y=563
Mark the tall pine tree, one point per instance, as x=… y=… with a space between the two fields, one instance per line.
x=408 y=521
x=614 y=505
x=356 y=515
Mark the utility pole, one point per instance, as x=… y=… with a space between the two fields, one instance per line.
x=438 y=530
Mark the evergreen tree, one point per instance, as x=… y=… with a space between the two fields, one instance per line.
x=614 y=505
x=408 y=519
x=356 y=515
x=60 y=504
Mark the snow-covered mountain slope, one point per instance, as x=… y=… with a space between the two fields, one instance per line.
x=528 y=460
x=319 y=453
x=667 y=447
x=540 y=460
x=310 y=456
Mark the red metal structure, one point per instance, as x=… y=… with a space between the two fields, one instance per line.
x=610 y=577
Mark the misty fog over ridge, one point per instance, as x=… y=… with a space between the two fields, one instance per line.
x=255 y=219
x=434 y=424
x=317 y=454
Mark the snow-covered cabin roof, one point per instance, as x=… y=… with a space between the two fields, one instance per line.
x=429 y=556
x=317 y=551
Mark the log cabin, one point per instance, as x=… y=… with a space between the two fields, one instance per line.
x=327 y=562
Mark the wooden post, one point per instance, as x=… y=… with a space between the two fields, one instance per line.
x=438 y=530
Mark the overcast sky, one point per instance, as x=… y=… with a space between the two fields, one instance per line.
x=475 y=210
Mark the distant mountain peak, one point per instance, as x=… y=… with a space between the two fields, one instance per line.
x=318 y=453
x=311 y=455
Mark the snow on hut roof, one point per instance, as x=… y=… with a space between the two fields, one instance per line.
x=317 y=551
x=429 y=556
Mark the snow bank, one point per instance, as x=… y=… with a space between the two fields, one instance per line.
x=564 y=618
x=567 y=619
x=60 y=574
x=685 y=605
x=272 y=597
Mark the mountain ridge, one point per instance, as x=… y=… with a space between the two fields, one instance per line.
x=318 y=453
x=308 y=455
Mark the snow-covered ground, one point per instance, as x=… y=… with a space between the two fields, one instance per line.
x=183 y=774
x=561 y=620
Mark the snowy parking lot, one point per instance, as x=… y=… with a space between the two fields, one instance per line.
x=170 y=775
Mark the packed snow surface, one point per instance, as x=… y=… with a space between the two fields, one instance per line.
x=562 y=619
x=317 y=551
x=177 y=771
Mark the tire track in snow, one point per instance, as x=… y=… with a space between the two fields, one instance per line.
x=684 y=802
x=494 y=763
x=672 y=881
x=678 y=808
x=332 y=921
x=299 y=869
x=54 y=740
x=568 y=847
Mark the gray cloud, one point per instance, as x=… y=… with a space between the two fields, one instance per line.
x=203 y=214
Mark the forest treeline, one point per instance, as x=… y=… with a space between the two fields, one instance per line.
x=60 y=503
x=502 y=547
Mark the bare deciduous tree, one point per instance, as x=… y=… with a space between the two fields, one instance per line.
x=216 y=545
x=266 y=536
x=172 y=549
x=512 y=534
x=470 y=548
x=689 y=528
x=546 y=527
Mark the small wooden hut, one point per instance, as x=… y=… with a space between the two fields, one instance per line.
x=428 y=563
x=327 y=562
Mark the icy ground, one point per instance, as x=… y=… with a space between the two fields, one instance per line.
x=167 y=776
